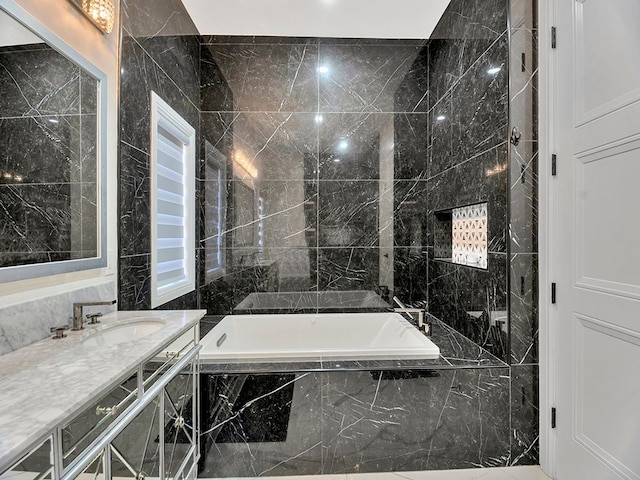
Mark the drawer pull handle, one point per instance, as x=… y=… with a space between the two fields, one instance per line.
x=106 y=410
x=221 y=340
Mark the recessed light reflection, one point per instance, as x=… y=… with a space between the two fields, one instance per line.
x=494 y=70
x=319 y=118
x=343 y=144
x=441 y=118
x=336 y=160
x=54 y=120
x=323 y=69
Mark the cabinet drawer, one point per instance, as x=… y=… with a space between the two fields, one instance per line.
x=35 y=465
x=85 y=427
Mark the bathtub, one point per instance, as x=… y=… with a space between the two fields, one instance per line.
x=329 y=336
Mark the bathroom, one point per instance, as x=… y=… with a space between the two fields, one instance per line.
x=345 y=162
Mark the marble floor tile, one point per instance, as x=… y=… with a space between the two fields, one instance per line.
x=507 y=473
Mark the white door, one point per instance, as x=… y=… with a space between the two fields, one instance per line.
x=596 y=241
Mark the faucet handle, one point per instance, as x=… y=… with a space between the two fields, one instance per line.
x=93 y=318
x=59 y=331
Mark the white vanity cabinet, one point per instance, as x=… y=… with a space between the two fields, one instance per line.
x=143 y=422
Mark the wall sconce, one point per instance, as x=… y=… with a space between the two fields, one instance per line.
x=100 y=12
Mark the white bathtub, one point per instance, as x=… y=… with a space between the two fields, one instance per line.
x=330 y=336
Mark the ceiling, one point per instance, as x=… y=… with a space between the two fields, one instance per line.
x=411 y=19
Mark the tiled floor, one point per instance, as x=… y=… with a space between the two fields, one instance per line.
x=511 y=473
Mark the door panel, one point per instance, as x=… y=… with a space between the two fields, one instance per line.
x=603 y=57
x=597 y=239
x=607 y=244
x=604 y=430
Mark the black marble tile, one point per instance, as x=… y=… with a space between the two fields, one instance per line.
x=217 y=130
x=479 y=102
x=525 y=447
x=215 y=94
x=523 y=182
x=411 y=134
x=151 y=18
x=89 y=220
x=410 y=213
x=135 y=207
x=281 y=146
x=412 y=95
x=10 y=259
x=263 y=425
x=410 y=275
x=88 y=93
x=348 y=268
x=443 y=154
x=268 y=77
x=473 y=301
x=457 y=350
x=364 y=78
x=40 y=150
x=35 y=218
x=140 y=75
x=485 y=19
x=248 y=271
x=524 y=308
x=354 y=146
x=370 y=422
x=178 y=57
x=38 y=82
x=465 y=32
x=89 y=154
x=134 y=289
x=348 y=213
x=288 y=217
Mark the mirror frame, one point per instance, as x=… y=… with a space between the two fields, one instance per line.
x=36 y=270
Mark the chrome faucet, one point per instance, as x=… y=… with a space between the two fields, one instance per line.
x=77 y=312
x=403 y=309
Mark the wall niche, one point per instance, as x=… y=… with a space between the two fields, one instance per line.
x=460 y=235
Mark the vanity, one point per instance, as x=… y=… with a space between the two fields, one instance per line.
x=116 y=399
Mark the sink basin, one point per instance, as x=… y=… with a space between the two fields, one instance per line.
x=123 y=332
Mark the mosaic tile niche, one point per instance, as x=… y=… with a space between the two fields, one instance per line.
x=469 y=235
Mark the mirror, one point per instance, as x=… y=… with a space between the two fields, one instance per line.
x=51 y=153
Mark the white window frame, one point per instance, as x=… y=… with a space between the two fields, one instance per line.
x=215 y=159
x=163 y=116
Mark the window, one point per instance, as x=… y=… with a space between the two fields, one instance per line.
x=172 y=204
x=215 y=200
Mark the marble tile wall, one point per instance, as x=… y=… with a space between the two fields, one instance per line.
x=160 y=52
x=474 y=107
x=523 y=242
x=355 y=144
x=359 y=422
x=28 y=322
x=47 y=169
x=468 y=157
x=335 y=130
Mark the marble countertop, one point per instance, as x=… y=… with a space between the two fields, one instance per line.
x=46 y=383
